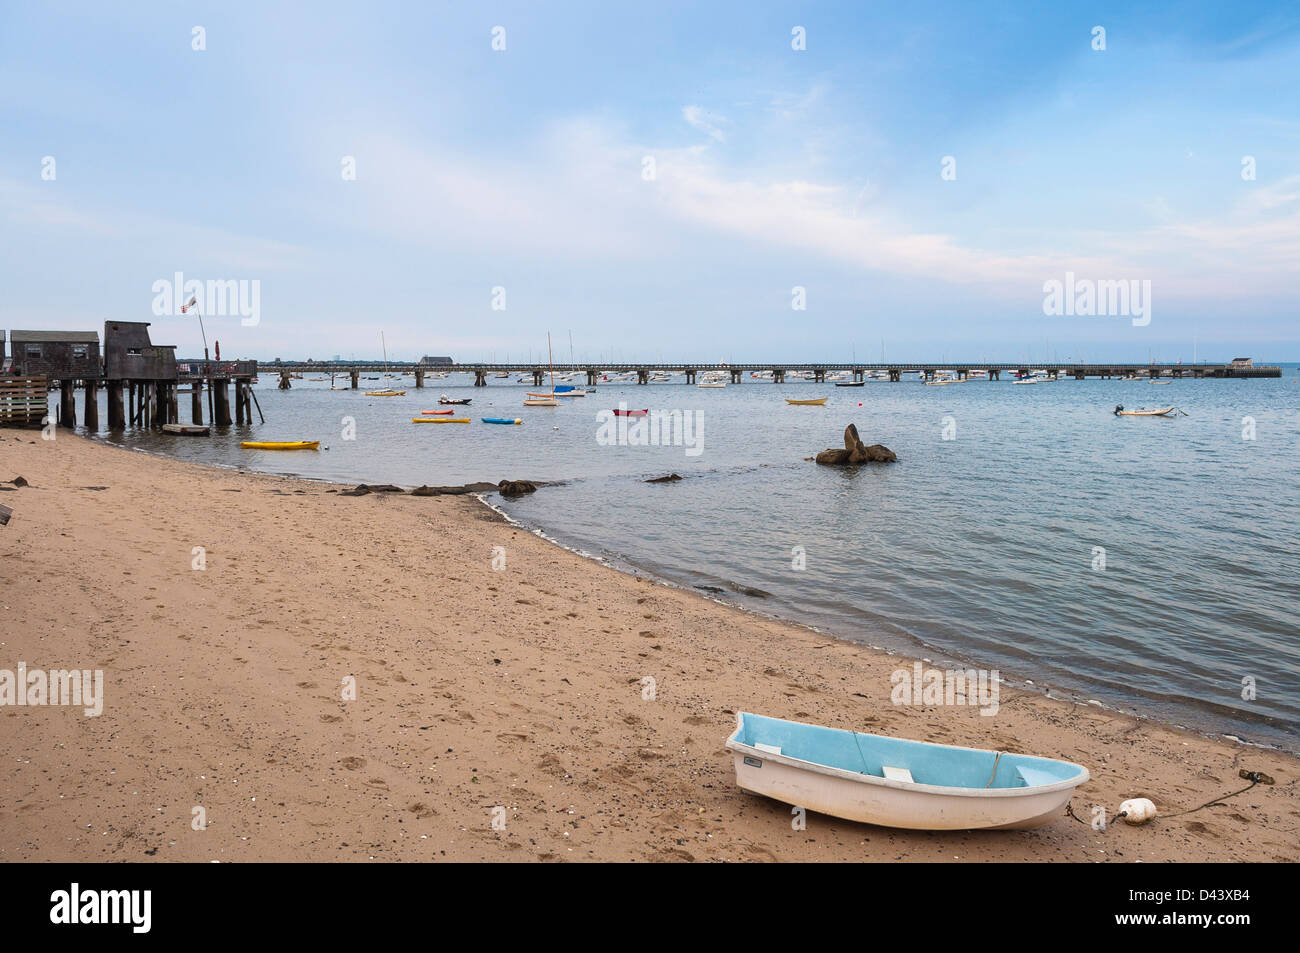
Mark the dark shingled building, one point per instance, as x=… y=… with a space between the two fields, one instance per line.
x=56 y=355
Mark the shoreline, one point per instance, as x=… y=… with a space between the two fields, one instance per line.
x=566 y=726
x=1067 y=695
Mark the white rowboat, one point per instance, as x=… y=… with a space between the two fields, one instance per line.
x=894 y=782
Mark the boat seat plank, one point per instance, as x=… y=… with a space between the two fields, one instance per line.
x=1035 y=776
x=897 y=774
x=770 y=749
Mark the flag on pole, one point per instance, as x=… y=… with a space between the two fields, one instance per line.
x=189 y=304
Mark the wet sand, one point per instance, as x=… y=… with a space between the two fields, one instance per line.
x=476 y=689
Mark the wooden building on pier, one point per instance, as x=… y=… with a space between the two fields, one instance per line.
x=42 y=357
x=56 y=355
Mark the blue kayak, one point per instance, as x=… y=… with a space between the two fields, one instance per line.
x=502 y=420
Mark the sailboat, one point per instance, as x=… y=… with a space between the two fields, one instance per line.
x=385 y=393
x=545 y=400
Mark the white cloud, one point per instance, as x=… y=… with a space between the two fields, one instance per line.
x=708 y=123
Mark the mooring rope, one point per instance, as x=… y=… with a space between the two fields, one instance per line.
x=1255 y=777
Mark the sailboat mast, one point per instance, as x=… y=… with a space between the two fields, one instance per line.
x=550 y=359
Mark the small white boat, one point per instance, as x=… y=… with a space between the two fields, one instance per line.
x=711 y=384
x=894 y=782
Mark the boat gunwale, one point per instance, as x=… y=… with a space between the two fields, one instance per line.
x=732 y=744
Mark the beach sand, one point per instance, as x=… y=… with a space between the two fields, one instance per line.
x=475 y=689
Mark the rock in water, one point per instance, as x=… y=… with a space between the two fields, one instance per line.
x=855 y=452
x=670 y=478
x=833 y=457
x=516 y=487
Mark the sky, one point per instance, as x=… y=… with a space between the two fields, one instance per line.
x=656 y=182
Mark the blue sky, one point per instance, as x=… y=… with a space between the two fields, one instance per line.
x=774 y=168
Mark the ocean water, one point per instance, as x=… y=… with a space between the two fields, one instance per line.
x=987 y=547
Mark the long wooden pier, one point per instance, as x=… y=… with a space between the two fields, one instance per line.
x=778 y=371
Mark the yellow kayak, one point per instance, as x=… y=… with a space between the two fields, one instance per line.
x=385 y=393
x=281 y=445
x=819 y=402
x=439 y=420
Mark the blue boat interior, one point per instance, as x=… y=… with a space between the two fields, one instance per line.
x=927 y=763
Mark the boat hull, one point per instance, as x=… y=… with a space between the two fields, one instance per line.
x=281 y=445
x=868 y=799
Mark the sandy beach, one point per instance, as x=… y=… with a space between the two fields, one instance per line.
x=476 y=688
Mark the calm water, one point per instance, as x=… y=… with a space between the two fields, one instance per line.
x=977 y=548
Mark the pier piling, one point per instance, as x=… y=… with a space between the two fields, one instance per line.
x=67 y=408
x=92 y=405
x=222 y=394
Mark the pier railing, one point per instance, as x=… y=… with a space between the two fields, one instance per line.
x=192 y=370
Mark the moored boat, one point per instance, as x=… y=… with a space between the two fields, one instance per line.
x=444 y=399
x=502 y=420
x=895 y=782
x=439 y=420
x=818 y=402
x=1157 y=412
x=281 y=444
x=849 y=383
x=631 y=413
x=438 y=412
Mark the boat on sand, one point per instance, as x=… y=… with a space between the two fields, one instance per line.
x=894 y=782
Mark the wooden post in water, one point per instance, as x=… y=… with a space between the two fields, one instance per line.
x=355 y=375
x=67 y=409
x=222 y=395
x=253 y=394
x=419 y=379
x=92 y=406
x=116 y=416
x=196 y=402
x=173 y=403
